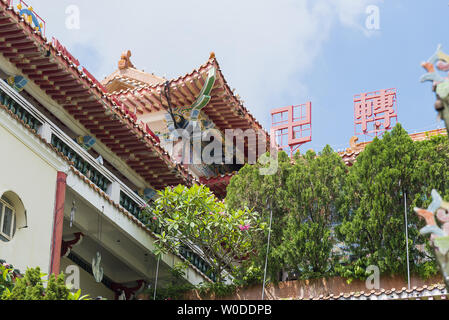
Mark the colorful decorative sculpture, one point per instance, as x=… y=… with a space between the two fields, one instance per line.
x=188 y=117
x=147 y=194
x=31 y=17
x=191 y=120
x=97 y=270
x=440 y=60
x=87 y=142
x=18 y=83
x=439 y=234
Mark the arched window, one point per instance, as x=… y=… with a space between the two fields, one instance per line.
x=7 y=219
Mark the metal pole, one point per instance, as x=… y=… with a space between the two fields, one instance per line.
x=406 y=238
x=266 y=258
x=157 y=275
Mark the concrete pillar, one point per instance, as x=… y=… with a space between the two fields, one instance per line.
x=56 y=239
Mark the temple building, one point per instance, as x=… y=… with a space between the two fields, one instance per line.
x=83 y=157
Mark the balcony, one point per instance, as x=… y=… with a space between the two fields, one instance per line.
x=20 y=112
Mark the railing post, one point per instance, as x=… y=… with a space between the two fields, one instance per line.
x=45 y=132
x=114 y=191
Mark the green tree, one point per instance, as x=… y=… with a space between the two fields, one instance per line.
x=6 y=277
x=314 y=188
x=374 y=226
x=31 y=287
x=264 y=194
x=304 y=196
x=195 y=216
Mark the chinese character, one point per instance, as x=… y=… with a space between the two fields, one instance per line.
x=384 y=104
x=363 y=111
x=375 y=110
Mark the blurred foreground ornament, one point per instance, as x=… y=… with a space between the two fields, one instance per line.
x=440 y=60
x=439 y=234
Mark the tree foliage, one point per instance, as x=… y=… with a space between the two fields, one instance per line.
x=6 y=277
x=304 y=196
x=31 y=287
x=385 y=174
x=314 y=185
x=266 y=194
x=329 y=219
x=194 y=216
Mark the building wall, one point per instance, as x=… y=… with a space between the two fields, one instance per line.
x=87 y=283
x=25 y=173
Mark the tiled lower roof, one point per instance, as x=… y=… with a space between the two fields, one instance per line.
x=350 y=155
x=433 y=292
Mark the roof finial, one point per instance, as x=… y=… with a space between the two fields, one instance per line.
x=353 y=142
x=212 y=55
x=125 y=61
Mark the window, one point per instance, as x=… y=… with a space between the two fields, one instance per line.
x=7 y=220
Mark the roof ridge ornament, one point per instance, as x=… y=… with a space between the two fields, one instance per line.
x=31 y=17
x=125 y=61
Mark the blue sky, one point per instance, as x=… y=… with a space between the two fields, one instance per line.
x=275 y=53
x=351 y=63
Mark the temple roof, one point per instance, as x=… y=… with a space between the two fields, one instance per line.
x=350 y=154
x=225 y=109
x=82 y=96
x=111 y=117
x=218 y=184
x=128 y=77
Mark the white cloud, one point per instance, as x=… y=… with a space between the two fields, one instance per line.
x=261 y=46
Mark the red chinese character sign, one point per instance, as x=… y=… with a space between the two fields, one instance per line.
x=291 y=127
x=375 y=112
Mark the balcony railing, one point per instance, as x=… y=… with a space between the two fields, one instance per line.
x=87 y=165
x=20 y=112
x=80 y=164
x=132 y=207
x=198 y=262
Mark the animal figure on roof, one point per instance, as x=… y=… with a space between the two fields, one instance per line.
x=30 y=17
